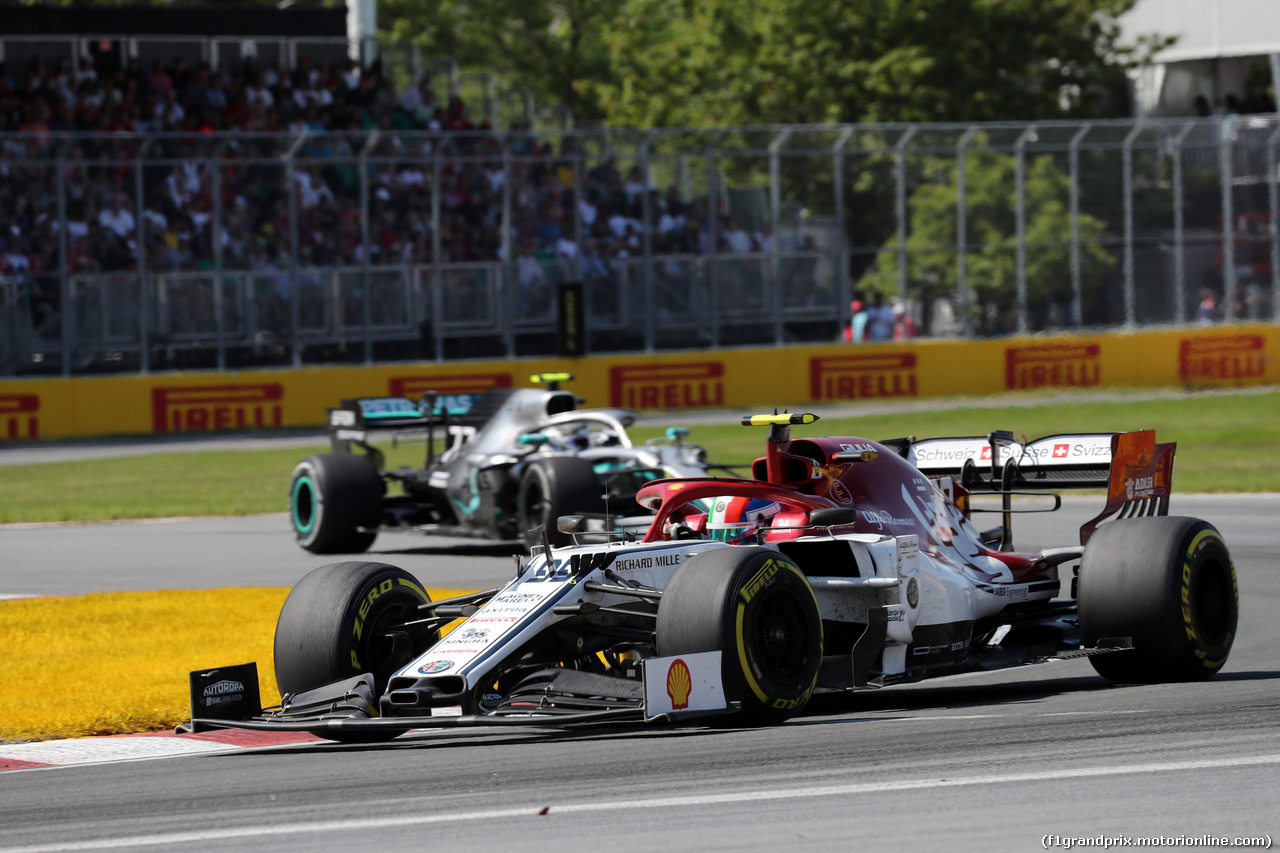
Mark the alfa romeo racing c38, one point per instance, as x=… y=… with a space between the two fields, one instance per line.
x=842 y=564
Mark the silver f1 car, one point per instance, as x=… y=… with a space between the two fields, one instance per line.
x=516 y=459
x=844 y=564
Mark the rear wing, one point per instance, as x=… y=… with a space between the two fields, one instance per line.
x=1001 y=461
x=354 y=419
x=1135 y=470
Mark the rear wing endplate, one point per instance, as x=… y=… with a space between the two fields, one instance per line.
x=1141 y=479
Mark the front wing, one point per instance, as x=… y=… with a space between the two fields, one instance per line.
x=673 y=688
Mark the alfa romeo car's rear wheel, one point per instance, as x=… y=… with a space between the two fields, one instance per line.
x=550 y=488
x=1169 y=584
x=332 y=496
x=756 y=607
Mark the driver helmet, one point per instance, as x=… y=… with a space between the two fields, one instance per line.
x=580 y=438
x=736 y=519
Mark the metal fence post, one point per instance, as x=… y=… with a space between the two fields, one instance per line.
x=67 y=299
x=219 y=304
x=366 y=255
x=437 y=252
x=900 y=175
x=1130 y=309
x=12 y=306
x=509 y=280
x=713 y=239
x=1179 y=246
x=775 y=223
x=1273 y=199
x=575 y=163
x=962 y=229
x=144 y=288
x=650 y=298
x=1226 y=154
x=1077 y=296
x=844 y=287
x=1020 y=222
x=291 y=187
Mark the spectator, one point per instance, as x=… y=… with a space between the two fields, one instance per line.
x=636 y=185
x=905 y=327
x=531 y=279
x=1207 y=312
x=159 y=81
x=169 y=113
x=734 y=236
x=117 y=218
x=880 y=319
x=855 y=332
x=258 y=94
x=800 y=273
x=87 y=73
x=594 y=266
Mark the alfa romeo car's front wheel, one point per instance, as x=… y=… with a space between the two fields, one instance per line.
x=1167 y=583
x=331 y=498
x=345 y=619
x=757 y=608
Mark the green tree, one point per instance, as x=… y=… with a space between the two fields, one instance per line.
x=698 y=63
x=680 y=62
x=551 y=47
x=991 y=243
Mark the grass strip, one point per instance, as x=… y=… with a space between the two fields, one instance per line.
x=117 y=662
x=1225 y=444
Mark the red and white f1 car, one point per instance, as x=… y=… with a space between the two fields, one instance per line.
x=843 y=564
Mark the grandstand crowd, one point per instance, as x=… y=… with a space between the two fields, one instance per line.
x=189 y=117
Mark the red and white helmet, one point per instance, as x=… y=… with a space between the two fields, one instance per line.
x=736 y=519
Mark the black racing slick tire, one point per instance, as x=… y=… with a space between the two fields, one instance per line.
x=550 y=488
x=1167 y=583
x=332 y=497
x=346 y=619
x=756 y=607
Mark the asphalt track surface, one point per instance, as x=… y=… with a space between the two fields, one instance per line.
x=977 y=763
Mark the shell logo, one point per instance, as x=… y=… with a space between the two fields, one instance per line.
x=675 y=487
x=679 y=684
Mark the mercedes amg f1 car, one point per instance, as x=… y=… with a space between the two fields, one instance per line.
x=843 y=564
x=515 y=459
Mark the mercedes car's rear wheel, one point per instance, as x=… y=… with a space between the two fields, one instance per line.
x=331 y=498
x=757 y=608
x=1167 y=583
x=550 y=488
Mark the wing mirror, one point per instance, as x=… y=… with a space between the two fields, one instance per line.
x=571 y=523
x=833 y=516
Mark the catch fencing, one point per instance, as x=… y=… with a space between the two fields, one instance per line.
x=226 y=251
